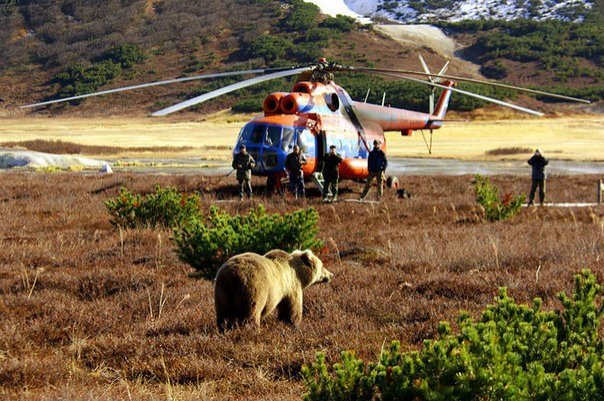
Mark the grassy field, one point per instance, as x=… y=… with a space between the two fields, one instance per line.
x=571 y=138
x=91 y=312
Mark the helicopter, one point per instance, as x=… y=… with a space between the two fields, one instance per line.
x=318 y=113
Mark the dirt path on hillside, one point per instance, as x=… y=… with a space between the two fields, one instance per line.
x=422 y=35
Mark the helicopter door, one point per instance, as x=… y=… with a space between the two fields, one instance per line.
x=321 y=149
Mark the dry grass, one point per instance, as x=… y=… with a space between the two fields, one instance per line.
x=91 y=312
x=63 y=147
x=514 y=150
x=571 y=138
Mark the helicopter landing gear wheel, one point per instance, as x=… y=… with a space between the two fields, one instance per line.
x=392 y=182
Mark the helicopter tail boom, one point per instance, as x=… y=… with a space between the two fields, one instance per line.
x=443 y=101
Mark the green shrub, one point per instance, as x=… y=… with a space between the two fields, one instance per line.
x=77 y=80
x=126 y=55
x=340 y=23
x=166 y=207
x=494 y=69
x=513 y=352
x=496 y=208
x=269 y=47
x=301 y=17
x=207 y=242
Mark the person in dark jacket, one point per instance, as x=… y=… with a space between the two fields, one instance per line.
x=331 y=174
x=538 y=163
x=243 y=162
x=376 y=164
x=293 y=165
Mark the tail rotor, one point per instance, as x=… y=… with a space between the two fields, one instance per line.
x=433 y=80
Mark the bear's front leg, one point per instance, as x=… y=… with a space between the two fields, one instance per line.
x=290 y=308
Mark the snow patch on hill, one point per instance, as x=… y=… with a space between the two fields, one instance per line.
x=457 y=10
x=335 y=7
x=415 y=36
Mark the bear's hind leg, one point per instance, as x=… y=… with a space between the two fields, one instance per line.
x=231 y=313
x=228 y=319
x=290 y=309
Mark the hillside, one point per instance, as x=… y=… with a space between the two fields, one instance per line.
x=69 y=47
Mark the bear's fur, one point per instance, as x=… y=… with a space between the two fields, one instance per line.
x=250 y=286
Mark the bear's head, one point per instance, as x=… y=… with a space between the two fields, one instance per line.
x=309 y=268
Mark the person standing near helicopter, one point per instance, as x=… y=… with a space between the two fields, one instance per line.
x=537 y=163
x=243 y=162
x=331 y=174
x=293 y=165
x=376 y=164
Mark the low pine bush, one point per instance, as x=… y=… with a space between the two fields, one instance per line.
x=166 y=207
x=495 y=208
x=207 y=242
x=513 y=352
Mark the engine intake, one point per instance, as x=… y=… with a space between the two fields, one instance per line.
x=271 y=104
x=295 y=102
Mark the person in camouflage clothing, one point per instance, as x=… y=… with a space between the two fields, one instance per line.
x=331 y=174
x=294 y=162
x=243 y=162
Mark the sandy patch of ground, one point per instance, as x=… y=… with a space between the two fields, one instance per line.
x=129 y=132
x=422 y=35
x=571 y=138
x=418 y=36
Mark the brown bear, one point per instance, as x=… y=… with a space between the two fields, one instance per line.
x=250 y=286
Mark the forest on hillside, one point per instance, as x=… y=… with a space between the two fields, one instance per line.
x=84 y=46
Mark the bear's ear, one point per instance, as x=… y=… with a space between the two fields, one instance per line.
x=307 y=257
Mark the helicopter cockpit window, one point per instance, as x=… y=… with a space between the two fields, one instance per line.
x=257 y=134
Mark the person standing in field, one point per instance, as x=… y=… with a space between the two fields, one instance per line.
x=538 y=163
x=331 y=174
x=376 y=164
x=243 y=162
x=293 y=165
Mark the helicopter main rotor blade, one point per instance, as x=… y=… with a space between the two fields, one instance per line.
x=477 y=81
x=227 y=89
x=156 y=83
x=488 y=99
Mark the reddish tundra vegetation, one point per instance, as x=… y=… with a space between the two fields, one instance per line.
x=89 y=311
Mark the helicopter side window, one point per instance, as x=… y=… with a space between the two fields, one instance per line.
x=306 y=141
x=273 y=136
x=361 y=149
x=288 y=139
